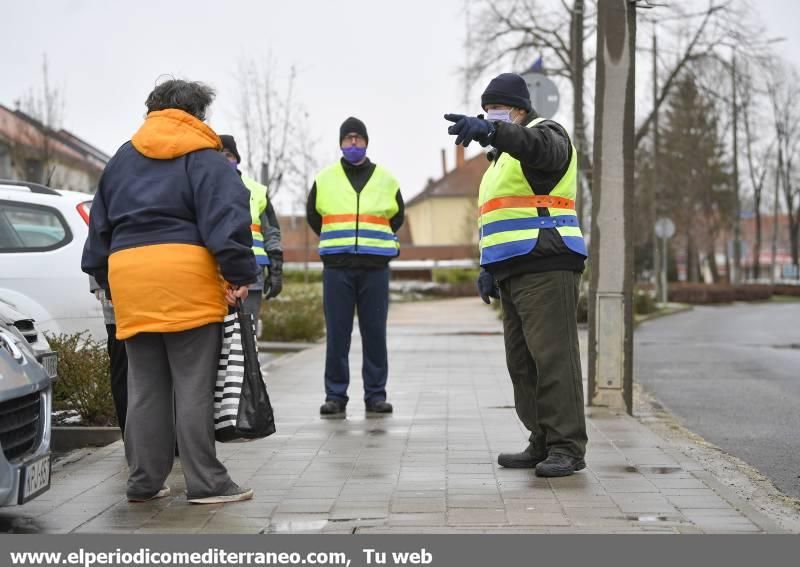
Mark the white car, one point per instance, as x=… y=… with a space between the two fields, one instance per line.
x=42 y=232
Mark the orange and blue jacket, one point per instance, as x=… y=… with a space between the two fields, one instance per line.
x=169 y=224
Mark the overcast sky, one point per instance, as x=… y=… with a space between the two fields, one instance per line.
x=392 y=64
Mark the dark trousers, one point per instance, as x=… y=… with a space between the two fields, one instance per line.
x=366 y=292
x=541 y=338
x=118 y=358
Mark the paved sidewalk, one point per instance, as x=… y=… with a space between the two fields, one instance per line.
x=431 y=467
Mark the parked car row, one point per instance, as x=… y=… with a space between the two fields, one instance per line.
x=42 y=290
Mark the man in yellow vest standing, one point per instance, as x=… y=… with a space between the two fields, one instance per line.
x=355 y=207
x=266 y=236
x=532 y=257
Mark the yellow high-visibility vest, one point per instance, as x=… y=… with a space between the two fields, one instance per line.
x=259 y=200
x=509 y=220
x=353 y=222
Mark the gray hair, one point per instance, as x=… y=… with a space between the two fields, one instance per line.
x=190 y=96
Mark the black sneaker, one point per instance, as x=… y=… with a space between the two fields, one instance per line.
x=332 y=408
x=559 y=464
x=527 y=459
x=381 y=406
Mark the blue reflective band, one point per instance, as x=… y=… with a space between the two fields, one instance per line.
x=500 y=252
x=528 y=223
x=366 y=233
x=331 y=234
x=351 y=233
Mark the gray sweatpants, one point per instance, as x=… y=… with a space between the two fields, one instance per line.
x=171 y=380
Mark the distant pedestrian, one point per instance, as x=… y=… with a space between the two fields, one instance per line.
x=117 y=356
x=531 y=244
x=356 y=208
x=266 y=232
x=169 y=221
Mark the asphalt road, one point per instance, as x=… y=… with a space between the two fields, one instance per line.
x=732 y=375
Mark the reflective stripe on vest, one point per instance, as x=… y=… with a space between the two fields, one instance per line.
x=509 y=219
x=259 y=201
x=357 y=223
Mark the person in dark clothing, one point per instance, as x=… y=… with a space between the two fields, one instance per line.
x=532 y=257
x=266 y=232
x=170 y=244
x=356 y=208
x=117 y=356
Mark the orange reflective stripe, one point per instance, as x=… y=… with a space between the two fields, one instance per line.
x=328 y=219
x=532 y=201
x=255 y=227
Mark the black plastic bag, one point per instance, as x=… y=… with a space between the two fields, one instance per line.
x=240 y=390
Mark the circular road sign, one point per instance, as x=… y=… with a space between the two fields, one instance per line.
x=665 y=228
x=544 y=94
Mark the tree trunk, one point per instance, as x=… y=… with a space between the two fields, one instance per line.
x=757 y=244
x=712 y=261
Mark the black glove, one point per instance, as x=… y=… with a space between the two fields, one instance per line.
x=468 y=128
x=274 y=282
x=487 y=287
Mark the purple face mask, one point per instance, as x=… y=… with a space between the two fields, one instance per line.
x=354 y=154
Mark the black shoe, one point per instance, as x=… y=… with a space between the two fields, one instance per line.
x=527 y=459
x=332 y=408
x=381 y=406
x=559 y=464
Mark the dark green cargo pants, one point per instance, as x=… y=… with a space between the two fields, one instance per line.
x=541 y=338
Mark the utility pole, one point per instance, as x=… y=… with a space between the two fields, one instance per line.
x=737 y=234
x=611 y=255
x=656 y=173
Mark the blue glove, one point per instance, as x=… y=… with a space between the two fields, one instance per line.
x=468 y=128
x=487 y=287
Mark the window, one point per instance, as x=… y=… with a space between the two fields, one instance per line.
x=28 y=228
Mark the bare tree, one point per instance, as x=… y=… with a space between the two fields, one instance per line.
x=510 y=32
x=784 y=90
x=266 y=109
x=758 y=158
x=45 y=104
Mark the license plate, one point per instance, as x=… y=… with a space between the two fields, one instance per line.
x=34 y=478
x=50 y=363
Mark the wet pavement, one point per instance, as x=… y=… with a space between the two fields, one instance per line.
x=731 y=374
x=429 y=468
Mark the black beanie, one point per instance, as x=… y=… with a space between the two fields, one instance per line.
x=352 y=125
x=228 y=143
x=508 y=89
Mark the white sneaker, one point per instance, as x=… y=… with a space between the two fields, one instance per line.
x=165 y=491
x=233 y=494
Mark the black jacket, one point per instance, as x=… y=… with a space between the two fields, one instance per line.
x=358 y=175
x=544 y=152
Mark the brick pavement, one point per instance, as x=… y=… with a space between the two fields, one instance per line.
x=429 y=468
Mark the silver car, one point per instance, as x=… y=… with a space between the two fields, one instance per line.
x=26 y=378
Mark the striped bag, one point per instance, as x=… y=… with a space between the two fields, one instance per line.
x=242 y=408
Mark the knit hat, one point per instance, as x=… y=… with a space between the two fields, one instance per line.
x=352 y=125
x=228 y=143
x=508 y=89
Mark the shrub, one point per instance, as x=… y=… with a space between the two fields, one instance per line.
x=298 y=276
x=83 y=384
x=456 y=276
x=643 y=303
x=785 y=289
x=696 y=293
x=294 y=316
